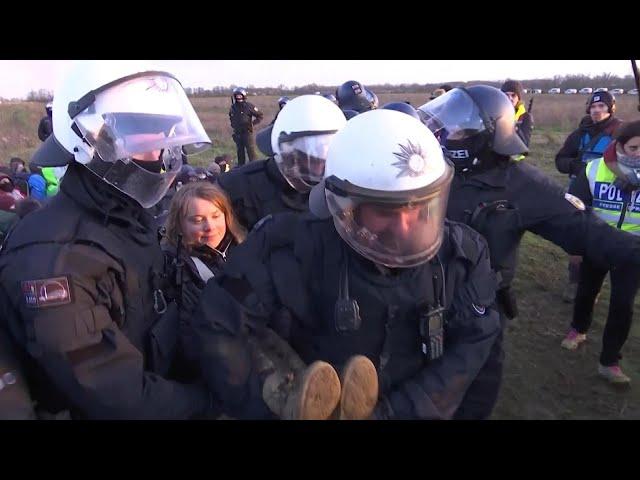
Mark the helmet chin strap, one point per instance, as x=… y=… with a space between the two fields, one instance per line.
x=150 y=166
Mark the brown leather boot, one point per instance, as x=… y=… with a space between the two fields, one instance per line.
x=359 y=396
x=292 y=390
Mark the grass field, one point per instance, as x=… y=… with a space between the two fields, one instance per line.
x=542 y=381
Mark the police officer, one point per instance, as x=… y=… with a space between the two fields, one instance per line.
x=375 y=271
x=45 y=127
x=587 y=143
x=352 y=95
x=502 y=199
x=282 y=182
x=83 y=298
x=282 y=101
x=243 y=116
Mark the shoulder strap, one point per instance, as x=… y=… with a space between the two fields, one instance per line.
x=204 y=271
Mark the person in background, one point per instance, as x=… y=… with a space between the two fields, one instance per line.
x=586 y=143
x=609 y=185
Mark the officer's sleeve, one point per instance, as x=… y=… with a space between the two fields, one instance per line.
x=235 y=187
x=568 y=154
x=257 y=114
x=580 y=187
x=563 y=219
x=471 y=328
x=66 y=311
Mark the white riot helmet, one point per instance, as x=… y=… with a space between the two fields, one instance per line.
x=301 y=136
x=386 y=185
x=129 y=124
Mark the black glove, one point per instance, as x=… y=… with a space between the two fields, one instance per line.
x=576 y=165
x=190 y=297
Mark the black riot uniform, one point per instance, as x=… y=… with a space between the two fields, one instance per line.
x=83 y=300
x=502 y=199
x=259 y=189
x=296 y=275
x=243 y=116
x=15 y=400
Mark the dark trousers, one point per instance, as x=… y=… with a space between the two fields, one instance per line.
x=624 y=286
x=482 y=394
x=245 y=141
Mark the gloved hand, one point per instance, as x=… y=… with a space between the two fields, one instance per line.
x=190 y=297
x=576 y=165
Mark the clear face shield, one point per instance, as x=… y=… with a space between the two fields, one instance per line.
x=394 y=229
x=302 y=157
x=138 y=131
x=453 y=116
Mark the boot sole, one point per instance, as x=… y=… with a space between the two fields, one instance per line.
x=359 y=389
x=320 y=392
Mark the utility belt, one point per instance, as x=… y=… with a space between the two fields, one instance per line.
x=242 y=131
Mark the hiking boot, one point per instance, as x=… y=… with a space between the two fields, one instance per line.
x=359 y=395
x=573 y=339
x=613 y=374
x=291 y=390
x=311 y=394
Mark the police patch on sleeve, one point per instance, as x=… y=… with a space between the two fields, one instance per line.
x=48 y=292
x=575 y=201
x=479 y=310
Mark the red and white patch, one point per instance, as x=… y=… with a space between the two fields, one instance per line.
x=48 y=292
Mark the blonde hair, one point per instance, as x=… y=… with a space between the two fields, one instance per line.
x=206 y=191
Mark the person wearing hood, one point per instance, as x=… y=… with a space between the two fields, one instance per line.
x=609 y=185
x=201 y=230
x=587 y=142
x=524 y=120
x=9 y=194
x=83 y=288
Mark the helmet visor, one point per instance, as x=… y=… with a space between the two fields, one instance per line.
x=145 y=185
x=452 y=116
x=302 y=158
x=139 y=130
x=397 y=234
x=139 y=116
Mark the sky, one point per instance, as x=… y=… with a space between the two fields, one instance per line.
x=21 y=76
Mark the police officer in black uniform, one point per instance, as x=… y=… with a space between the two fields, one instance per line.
x=352 y=95
x=501 y=199
x=45 y=127
x=271 y=186
x=243 y=116
x=380 y=274
x=83 y=298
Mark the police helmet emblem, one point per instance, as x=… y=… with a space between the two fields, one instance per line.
x=411 y=160
x=575 y=201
